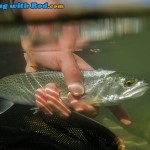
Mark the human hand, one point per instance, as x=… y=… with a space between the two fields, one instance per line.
x=58 y=55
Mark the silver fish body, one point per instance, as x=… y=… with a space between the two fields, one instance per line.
x=102 y=87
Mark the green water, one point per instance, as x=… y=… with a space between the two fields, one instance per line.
x=129 y=53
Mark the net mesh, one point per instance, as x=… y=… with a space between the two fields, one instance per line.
x=21 y=130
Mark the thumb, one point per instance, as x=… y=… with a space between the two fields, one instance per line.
x=72 y=75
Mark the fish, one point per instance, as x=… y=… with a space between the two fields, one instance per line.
x=102 y=87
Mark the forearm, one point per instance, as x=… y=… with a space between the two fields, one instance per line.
x=38 y=14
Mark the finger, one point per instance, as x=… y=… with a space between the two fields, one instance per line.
x=68 y=36
x=53 y=99
x=41 y=101
x=82 y=107
x=30 y=69
x=121 y=114
x=83 y=65
x=80 y=43
x=25 y=43
x=72 y=74
x=29 y=64
x=53 y=90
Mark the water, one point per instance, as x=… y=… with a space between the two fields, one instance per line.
x=121 y=50
x=129 y=53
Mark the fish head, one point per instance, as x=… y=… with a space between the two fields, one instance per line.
x=120 y=86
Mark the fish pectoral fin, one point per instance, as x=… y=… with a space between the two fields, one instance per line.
x=5 y=105
x=91 y=100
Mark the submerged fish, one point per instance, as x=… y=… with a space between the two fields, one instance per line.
x=102 y=87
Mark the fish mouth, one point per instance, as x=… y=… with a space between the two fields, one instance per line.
x=136 y=91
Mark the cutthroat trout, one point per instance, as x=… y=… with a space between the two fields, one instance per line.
x=102 y=87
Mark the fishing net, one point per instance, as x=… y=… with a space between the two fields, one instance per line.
x=21 y=130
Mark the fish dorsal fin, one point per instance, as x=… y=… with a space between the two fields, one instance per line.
x=5 y=105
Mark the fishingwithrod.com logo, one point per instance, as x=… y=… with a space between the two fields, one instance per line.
x=33 y=5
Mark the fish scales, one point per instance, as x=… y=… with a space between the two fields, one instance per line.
x=24 y=85
x=104 y=87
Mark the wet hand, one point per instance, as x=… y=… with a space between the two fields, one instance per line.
x=49 y=101
x=58 y=55
x=121 y=114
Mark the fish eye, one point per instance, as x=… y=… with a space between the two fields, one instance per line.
x=129 y=83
